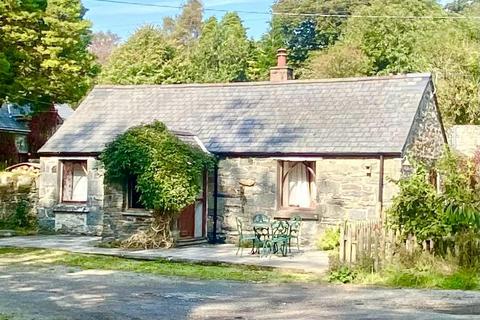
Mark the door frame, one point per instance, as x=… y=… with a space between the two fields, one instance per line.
x=204 y=200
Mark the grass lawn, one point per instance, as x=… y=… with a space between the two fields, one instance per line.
x=43 y=257
x=461 y=279
x=420 y=270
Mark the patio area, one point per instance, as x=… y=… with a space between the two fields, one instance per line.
x=308 y=260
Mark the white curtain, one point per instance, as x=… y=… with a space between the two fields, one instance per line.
x=75 y=181
x=298 y=186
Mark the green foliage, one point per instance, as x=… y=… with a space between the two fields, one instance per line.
x=344 y=275
x=148 y=57
x=223 y=52
x=329 y=240
x=302 y=34
x=168 y=171
x=20 y=219
x=43 y=52
x=416 y=208
x=419 y=209
x=461 y=198
x=450 y=48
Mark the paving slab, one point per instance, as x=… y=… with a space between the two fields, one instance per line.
x=308 y=260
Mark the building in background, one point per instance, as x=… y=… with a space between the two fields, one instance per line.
x=23 y=133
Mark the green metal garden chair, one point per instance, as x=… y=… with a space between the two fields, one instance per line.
x=294 y=233
x=244 y=237
x=260 y=218
x=279 y=238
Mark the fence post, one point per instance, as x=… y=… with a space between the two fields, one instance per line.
x=342 y=242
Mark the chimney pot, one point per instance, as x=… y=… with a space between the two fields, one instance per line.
x=282 y=57
x=281 y=72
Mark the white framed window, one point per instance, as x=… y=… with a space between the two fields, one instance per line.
x=74 y=181
x=297 y=187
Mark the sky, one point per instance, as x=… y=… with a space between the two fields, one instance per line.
x=124 y=19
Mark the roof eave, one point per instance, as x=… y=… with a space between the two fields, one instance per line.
x=11 y=130
x=388 y=154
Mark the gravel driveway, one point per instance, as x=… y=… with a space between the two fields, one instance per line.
x=28 y=292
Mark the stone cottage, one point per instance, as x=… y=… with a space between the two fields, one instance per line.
x=322 y=149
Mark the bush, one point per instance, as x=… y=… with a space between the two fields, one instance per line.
x=420 y=210
x=344 y=275
x=329 y=240
x=21 y=219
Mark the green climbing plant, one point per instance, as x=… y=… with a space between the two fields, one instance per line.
x=168 y=171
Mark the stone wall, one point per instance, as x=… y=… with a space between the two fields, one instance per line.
x=349 y=188
x=464 y=139
x=18 y=191
x=118 y=222
x=345 y=188
x=55 y=216
x=426 y=141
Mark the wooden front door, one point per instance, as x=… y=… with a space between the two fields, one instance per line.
x=186 y=222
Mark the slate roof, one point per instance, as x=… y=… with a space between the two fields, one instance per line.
x=13 y=117
x=351 y=116
x=8 y=121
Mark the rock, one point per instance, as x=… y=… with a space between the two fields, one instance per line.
x=7 y=233
x=247 y=182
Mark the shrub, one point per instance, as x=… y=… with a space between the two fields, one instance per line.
x=344 y=275
x=420 y=210
x=329 y=240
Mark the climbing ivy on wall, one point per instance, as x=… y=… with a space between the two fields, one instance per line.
x=168 y=172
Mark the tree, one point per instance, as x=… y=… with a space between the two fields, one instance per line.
x=448 y=48
x=294 y=26
x=20 y=23
x=222 y=54
x=44 y=57
x=168 y=174
x=186 y=27
x=146 y=58
x=459 y=6
x=103 y=44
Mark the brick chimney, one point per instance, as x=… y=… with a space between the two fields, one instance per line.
x=281 y=72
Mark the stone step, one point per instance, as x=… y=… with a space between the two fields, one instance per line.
x=7 y=233
x=191 y=242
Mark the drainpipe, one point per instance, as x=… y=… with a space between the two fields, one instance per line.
x=215 y=203
x=380 y=188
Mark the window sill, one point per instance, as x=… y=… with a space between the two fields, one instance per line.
x=137 y=213
x=71 y=207
x=307 y=214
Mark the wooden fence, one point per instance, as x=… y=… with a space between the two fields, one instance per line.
x=371 y=239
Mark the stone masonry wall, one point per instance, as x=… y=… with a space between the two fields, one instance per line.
x=55 y=216
x=119 y=223
x=18 y=190
x=426 y=141
x=345 y=188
